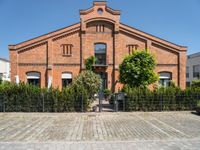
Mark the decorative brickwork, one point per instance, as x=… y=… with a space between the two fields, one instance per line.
x=99 y=24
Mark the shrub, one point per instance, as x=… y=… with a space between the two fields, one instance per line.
x=137 y=69
x=198 y=103
x=195 y=83
x=29 y=98
x=170 y=98
x=88 y=82
x=89 y=62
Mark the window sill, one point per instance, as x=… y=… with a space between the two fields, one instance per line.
x=67 y=55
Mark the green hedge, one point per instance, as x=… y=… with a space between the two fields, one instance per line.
x=28 y=98
x=167 y=99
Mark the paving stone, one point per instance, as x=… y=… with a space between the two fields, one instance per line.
x=123 y=130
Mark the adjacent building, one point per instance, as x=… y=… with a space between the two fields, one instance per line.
x=193 y=68
x=4 y=69
x=57 y=57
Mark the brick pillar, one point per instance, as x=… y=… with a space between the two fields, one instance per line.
x=148 y=44
x=182 y=70
x=82 y=44
x=116 y=54
x=13 y=64
x=49 y=59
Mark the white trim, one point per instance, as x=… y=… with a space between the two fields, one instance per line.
x=66 y=76
x=33 y=75
x=17 y=79
x=165 y=75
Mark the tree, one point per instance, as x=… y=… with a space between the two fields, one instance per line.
x=89 y=62
x=137 y=69
x=88 y=81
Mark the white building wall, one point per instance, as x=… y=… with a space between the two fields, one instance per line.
x=192 y=60
x=5 y=69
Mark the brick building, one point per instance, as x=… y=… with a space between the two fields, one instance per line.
x=57 y=57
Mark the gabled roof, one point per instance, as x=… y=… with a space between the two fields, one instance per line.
x=194 y=55
x=46 y=36
x=142 y=34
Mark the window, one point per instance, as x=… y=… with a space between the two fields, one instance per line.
x=100 y=54
x=66 y=79
x=67 y=49
x=33 y=78
x=132 y=47
x=165 y=78
x=187 y=72
x=196 y=71
x=100 y=28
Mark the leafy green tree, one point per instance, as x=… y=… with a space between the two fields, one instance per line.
x=88 y=81
x=89 y=62
x=137 y=69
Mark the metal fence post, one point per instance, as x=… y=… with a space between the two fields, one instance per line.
x=82 y=102
x=42 y=102
x=124 y=104
x=4 y=107
x=161 y=102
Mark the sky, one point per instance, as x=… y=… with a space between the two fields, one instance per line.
x=177 y=21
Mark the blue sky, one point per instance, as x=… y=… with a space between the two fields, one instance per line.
x=177 y=21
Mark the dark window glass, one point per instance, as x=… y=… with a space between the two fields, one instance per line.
x=66 y=82
x=35 y=82
x=187 y=72
x=165 y=79
x=33 y=78
x=196 y=71
x=100 y=54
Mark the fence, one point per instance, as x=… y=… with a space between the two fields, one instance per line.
x=44 y=102
x=160 y=102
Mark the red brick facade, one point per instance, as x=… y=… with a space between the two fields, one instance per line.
x=99 y=24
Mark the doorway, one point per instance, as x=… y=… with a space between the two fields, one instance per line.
x=103 y=76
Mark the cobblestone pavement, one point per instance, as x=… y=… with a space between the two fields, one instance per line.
x=136 y=130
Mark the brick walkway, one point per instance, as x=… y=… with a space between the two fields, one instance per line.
x=138 y=130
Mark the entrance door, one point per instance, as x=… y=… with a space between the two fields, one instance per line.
x=103 y=76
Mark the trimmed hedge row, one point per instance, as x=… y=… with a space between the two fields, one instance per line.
x=28 y=98
x=167 y=99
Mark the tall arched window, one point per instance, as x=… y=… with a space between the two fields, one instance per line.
x=100 y=53
x=33 y=78
x=165 y=78
x=66 y=79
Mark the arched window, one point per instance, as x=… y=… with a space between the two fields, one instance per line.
x=66 y=79
x=100 y=53
x=165 y=78
x=33 y=78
